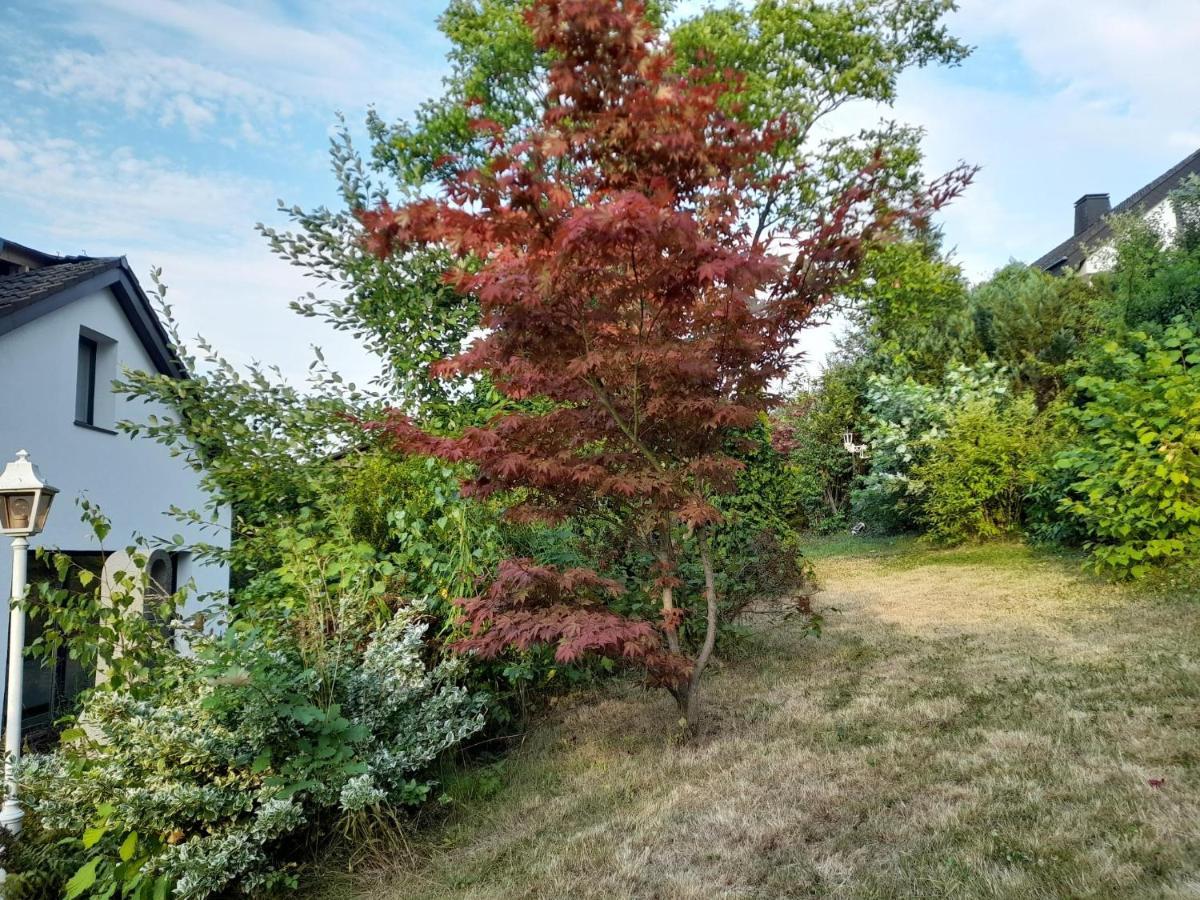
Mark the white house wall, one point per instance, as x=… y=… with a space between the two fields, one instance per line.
x=132 y=480
x=1104 y=257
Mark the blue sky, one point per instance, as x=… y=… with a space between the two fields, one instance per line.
x=163 y=130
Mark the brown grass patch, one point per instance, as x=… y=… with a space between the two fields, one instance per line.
x=969 y=725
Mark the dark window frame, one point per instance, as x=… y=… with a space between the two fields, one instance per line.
x=85 y=381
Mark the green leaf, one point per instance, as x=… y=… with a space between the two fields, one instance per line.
x=93 y=835
x=83 y=879
x=261 y=762
x=128 y=847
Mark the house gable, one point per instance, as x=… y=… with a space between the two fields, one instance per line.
x=38 y=284
x=1072 y=253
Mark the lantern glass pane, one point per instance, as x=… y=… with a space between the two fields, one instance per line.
x=43 y=510
x=19 y=511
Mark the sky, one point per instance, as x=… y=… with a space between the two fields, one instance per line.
x=163 y=130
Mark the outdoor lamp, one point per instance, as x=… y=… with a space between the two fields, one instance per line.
x=24 y=505
x=24 y=498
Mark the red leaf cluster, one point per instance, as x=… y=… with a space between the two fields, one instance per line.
x=529 y=605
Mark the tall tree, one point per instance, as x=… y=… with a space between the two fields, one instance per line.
x=628 y=289
x=803 y=59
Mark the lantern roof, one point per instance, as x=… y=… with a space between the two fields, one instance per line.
x=22 y=475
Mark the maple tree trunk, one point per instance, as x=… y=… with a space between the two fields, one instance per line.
x=668 y=605
x=692 y=711
x=668 y=593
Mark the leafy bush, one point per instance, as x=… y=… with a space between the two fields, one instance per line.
x=1045 y=523
x=809 y=429
x=1136 y=468
x=903 y=420
x=194 y=774
x=757 y=546
x=1035 y=325
x=977 y=472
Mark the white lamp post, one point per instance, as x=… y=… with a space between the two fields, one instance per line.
x=24 y=505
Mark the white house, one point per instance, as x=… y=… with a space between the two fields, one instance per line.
x=68 y=327
x=1090 y=248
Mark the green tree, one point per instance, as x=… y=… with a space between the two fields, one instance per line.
x=910 y=311
x=799 y=60
x=805 y=61
x=810 y=427
x=1036 y=326
x=1156 y=275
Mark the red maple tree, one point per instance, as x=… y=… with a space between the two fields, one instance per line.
x=621 y=288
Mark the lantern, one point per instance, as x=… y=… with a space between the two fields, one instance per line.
x=24 y=498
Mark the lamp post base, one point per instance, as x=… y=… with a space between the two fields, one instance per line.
x=11 y=815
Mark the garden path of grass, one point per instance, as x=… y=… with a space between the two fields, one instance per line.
x=976 y=723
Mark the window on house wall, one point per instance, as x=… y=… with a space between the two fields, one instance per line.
x=52 y=687
x=96 y=367
x=85 y=382
x=164 y=582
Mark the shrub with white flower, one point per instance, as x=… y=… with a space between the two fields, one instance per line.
x=197 y=781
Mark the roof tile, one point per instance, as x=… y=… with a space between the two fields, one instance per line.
x=24 y=288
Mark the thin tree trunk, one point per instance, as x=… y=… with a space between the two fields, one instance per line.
x=831 y=499
x=710 y=634
x=668 y=604
x=668 y=592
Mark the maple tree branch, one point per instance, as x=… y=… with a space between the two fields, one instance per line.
x=606 y=402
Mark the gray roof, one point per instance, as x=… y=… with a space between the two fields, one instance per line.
x=59 y=280
x=25 y=288
x=1074 y=250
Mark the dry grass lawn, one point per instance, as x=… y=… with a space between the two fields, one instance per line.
x=972 y=723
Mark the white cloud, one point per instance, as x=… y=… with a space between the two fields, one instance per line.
x=223 y=281
x=1064 y=99
x=194 y=64
x=82 y=193
x=237 y=297
x=1119 y=51
x=198 y=226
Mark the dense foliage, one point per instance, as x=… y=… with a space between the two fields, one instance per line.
x=193 y=773
x=1058 y=406
x=1136 y=465
x=977 y=471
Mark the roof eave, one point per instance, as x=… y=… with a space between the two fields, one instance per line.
x=130 y=297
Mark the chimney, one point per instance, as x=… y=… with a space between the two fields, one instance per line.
x=1090 y=209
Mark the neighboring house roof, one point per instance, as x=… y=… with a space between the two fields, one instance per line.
x=55 y=281
x=1072 y=252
